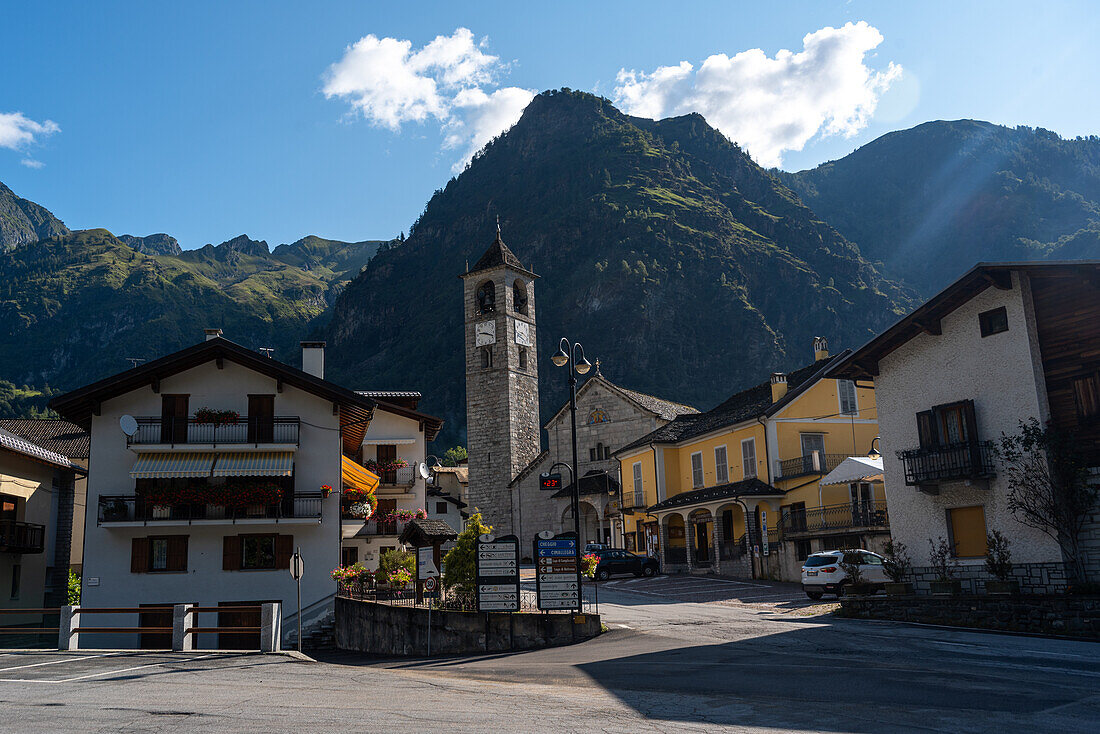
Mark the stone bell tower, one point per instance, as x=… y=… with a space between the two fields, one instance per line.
x=502 y=381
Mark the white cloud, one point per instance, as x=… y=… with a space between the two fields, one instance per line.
x=390 y=84
x=771 y=105
x=17 y=131
x=32 y=163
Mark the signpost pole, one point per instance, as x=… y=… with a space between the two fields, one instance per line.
x=297 y=569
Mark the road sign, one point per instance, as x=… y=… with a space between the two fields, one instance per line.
x=431 y=588
x=297 y=565
x=557 y=583
x=425 y=563
x=764 y=530
x=496 y=562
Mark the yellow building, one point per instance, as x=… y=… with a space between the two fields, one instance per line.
x=739 y=489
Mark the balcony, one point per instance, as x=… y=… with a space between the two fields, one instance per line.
x=928 y=467
x=835 y=518
x=21 y=537
x=402 y=477
x=154 y=430
x=128 y=509
x=815 y=463
x=377 y=527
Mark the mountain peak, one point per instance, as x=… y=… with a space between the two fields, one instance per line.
x=154 y=244
x=22 y=222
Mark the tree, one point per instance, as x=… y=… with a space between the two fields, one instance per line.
x=393 y=561
x=453 y=455
x=459 y=569
x=1047 y=475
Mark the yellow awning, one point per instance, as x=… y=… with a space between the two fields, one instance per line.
x=255 y=464
x=167 y=466
x=356 y=476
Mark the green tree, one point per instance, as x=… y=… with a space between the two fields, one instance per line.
x=453 y=455
x=393 y=560
x=458 y=571
x=74 y=588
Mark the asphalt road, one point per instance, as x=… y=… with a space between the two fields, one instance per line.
x=682 y=654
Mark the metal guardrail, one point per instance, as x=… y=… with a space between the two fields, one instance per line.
x=931 y=465
x=130 y=508
x=22 y=537
x=451 y=600
x=245 y=430
x=846 y=516
x=815 y=463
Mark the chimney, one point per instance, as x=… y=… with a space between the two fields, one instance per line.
x=779 y=386
x=313 y=358
x=212 y=333
x=821 y=348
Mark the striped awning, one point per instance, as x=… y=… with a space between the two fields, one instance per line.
x=356 y=476
x=169 y=465
x=255 y=464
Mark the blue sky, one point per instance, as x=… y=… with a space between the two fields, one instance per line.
x=208 y=120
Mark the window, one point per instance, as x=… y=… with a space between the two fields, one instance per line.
x=158 y=554
x=441 y=508
x=801 y=549
x=748 y=458
x=522 y=358
x=966 y=526
x=592 y=454
x=697 y=470
x=261 y=418
x=811 y=443
x=9 y=507
x=16 y=572
x=993 y=322
x=519 y=296
x=161 y=554
x=349 y=556
x=173 y=418
x=721 y=465
x=846 y=389
x=639 y=494
x=486 y=358
x=486 y=298
x=1086 y=396
x=257 y=551
x=952 y=423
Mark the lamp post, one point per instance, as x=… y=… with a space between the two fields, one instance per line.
x=571 y=355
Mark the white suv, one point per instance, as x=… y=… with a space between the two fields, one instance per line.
x=822 y=573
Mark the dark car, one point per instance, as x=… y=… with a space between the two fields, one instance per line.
x=614 y=560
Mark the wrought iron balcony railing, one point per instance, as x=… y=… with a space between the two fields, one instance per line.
x=815 y=463
x=846 y=516
x=21 y=537
x=935 y=464
x=245 y=430
x=403 y=476
x=130 y=508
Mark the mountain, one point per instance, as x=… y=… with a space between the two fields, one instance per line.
x=931 y=201
x=74 y=307
x=23 y=221
x=685 y=267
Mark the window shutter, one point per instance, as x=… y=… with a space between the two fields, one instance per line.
x=139 y=555
x=177 y=553
x=971 y=421
x=284 y=549
x=231 y=553
x=926 y=429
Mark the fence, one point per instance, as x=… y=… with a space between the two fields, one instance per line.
x=456 y=601
x=130 y=508
x=21 y=537
x=968 y=460
x=244 y=430
x=846 y=516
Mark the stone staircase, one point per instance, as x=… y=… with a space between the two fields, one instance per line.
x=321 y=635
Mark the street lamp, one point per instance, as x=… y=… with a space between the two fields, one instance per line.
x=572 y=355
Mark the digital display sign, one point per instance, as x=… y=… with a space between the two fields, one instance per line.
x=550 y=481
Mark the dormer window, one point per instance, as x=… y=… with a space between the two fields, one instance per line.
x=519 y=296
x=486 y=297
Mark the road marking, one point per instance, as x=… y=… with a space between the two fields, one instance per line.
x=57 y=662
x=624 y=626
x=136 y=667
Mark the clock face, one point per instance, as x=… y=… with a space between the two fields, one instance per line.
x=523 y=333
x=485 y=333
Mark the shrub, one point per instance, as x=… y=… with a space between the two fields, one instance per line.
x=942 y=558
x=74 y=588
x=850 y=562
x=458 y=565
x=998 y=556
x=392 y=562
x=896 y=561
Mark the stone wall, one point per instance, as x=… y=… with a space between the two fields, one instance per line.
x=1034 y=578
x=1075 y=616
x=382 y=629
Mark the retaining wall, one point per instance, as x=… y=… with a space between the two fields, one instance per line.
x=382 y=629
x=1075 y=616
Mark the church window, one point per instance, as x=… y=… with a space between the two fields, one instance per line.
x=486 y=298
x=486 y=358
x=519 y=296
x=522 y=358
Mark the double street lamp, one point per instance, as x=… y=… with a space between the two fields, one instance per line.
x=571 y=355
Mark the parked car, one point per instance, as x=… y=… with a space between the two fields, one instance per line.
x=616 y=560
x=593 y=547
x=822 y=573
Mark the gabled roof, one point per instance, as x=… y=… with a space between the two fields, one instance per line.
x=744 y=488
x=429 y=423
x=664 y=409
x=53 y=434
x=79 y=405
x=18 y=445
x=863 y=363
x=526 y=471
x=496 y=256
x=437 y=492
x=421 y=532
x=755 y=402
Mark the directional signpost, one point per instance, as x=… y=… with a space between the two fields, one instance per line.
x=557 y=578
x=497 y=568
x=297 y=569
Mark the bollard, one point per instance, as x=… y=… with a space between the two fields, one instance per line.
x=67 y=638
x=271 y=627
x=182 y=617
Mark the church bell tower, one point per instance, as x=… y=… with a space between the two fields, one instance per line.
x=502 y=382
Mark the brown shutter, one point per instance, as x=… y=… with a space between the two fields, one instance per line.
x=926 y=429
x=970 y=420
x=231 y=553
x=284 y=549
x=139 y=555
x=177 y=553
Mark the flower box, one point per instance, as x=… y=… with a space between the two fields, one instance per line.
x=946 y=588
x=162 y=512
x=1002 y=588
x=899 y=588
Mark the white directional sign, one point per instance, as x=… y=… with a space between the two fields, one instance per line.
x=497 y=570
x=425 y=563
x=557 y=582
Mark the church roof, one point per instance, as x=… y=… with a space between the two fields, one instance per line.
x=497 y=255
x=664 y=409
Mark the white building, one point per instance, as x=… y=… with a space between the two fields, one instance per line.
x=1005 y=343
x=219 y=481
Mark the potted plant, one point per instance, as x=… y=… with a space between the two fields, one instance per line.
x=998 y=562
x=856 y=585
x=589 y=562
x=899 y=567
x=942 y=558
x=326 y=490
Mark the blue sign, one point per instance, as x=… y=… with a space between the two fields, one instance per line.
x=559 y=543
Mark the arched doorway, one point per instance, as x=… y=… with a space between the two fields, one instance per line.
x=702 y=546
x=676 y=550
x=730 y=521
x=590 y=523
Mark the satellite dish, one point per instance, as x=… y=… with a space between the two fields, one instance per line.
x=424 y=472
x=128 y=424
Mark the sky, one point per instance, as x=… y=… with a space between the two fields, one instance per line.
x=340 y=119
